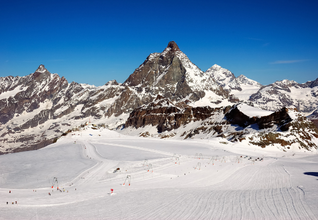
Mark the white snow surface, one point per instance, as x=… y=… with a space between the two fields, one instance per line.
x=246 y=92
x=252 y=111
x=12 y=93
x=169 y=179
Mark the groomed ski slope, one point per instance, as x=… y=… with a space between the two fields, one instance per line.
x=169 y=179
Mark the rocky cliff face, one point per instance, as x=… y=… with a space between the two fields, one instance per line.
x=166 y=116
x=279 y=118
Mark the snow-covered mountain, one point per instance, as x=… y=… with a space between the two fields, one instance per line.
x=171 y=74
x=241 y=87
x=38 y=108
x=287 y=93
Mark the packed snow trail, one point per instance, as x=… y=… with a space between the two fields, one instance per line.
x=94 y=174
x=229 y=187
x=258 y=193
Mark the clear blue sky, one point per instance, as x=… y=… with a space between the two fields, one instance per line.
x=97 y=41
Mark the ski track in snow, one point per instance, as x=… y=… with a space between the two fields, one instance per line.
x=227 y=188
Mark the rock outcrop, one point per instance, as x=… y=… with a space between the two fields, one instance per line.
x=279 y=118
x=166 y=116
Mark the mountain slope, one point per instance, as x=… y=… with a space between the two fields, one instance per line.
x=287 y=93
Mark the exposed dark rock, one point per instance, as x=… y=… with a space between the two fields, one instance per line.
x=173 y=46
x=235 y=116
x=315 y=121
x=312 y=84
x=112 y=82
x=165 y=115
x=280 y=118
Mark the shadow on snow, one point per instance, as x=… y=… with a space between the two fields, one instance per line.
x=312 y=174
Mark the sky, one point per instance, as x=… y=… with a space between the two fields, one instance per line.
x=96 y=41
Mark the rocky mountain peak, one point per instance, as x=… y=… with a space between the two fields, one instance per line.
x=173 y=75
x=173 y=46
x=312 y=84
x=41 y=69
x=111 y=83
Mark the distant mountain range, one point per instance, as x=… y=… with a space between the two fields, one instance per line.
x=35 y=110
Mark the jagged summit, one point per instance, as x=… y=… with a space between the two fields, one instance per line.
x=173 y=46
x=173 y=75
x=41 y=69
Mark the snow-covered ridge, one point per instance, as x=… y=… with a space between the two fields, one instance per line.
x=153 y=56
x=165 y=51
x=87 y=86
x=244 y=80
x=241 y=87
x=287 y=93
x=194 y=75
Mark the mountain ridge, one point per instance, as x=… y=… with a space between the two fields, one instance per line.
x=38 y=108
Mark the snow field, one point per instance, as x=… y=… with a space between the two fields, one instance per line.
x=186 y=180
x=253 y=112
